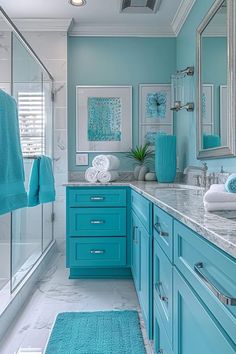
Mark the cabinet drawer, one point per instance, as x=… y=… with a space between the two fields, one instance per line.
x=161 y=341
x=163 y=288
x=163 y=230
x=93 y=197
x=205 y=267
x=97 y=251
x=141 y=207
x=97 y=222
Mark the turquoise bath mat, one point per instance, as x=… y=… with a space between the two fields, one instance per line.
x=112 y=332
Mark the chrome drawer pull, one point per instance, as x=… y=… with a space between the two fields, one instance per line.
x=96 y=198
x=226 y=300
x=161 y=233
x=97 y=222
x=97 y=251
x=134 y=233
x=158 y=287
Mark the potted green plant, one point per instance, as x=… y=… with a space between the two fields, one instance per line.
x=141 y=155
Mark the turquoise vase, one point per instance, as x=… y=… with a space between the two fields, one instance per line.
x=165 y=158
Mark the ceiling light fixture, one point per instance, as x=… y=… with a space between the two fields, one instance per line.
x=77 y=2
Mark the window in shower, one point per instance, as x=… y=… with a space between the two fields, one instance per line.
x=31 y=107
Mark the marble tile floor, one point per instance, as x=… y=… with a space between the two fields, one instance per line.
x=55 y=293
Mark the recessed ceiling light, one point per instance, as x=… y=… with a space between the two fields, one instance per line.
x=77 y=2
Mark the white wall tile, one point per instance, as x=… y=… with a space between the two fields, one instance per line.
x=60 y=118
x=48 y=45
x=57 y=68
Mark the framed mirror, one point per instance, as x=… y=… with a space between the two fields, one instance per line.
x=216 y=108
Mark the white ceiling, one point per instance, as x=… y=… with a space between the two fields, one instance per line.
x=101 y=17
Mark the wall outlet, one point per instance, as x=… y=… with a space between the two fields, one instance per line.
x=82 y=159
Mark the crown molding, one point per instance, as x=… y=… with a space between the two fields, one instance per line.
x=96 y=30
x=181 y=15
x=43 y=25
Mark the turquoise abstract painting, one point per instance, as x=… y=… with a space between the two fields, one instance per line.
x=150 y=138
x=104 y=118
x=156 y=105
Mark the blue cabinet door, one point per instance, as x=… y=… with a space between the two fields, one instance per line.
x=196 y=331
x=135 y=259
x=141 y=266
x=145 y=293
x=162 y=344
x=163 y=288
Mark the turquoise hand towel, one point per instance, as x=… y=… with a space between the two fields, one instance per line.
x=12 y=190
x=41 y=186
x=230 y=184
x=46 y=180
x=33 y=190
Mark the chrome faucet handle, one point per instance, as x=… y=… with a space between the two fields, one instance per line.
x=205 y=167
x=198 y=178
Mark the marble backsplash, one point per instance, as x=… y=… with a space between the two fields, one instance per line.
x=126 y=176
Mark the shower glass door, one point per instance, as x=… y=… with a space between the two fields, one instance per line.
x=32 y=231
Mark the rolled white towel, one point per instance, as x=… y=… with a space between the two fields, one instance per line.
x=220 y=206
x=218 y=194
x=91 y=175
x=108 y=176
x=106 y=162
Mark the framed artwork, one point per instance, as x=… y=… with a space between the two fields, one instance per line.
x=155 y=114
x=207 y=104
x=223 y=115
x=103 y=118
x=149 y=132
x=154 y=104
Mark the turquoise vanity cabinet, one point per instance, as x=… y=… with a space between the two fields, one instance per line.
x=186 y=286
x=141 y=263
x=98 y=242
x=194 y=292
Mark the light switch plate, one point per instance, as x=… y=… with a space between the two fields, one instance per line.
x=82 y=159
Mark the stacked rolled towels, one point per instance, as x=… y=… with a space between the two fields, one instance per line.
x=104 y=169
x=218 y=198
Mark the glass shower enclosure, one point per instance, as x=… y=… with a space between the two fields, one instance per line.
x=25 y=234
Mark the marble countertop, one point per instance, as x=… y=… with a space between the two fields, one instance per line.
x=185 y=203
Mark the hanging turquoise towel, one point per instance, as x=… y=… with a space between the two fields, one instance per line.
x=46 y=180
x=12 y=191
x=33 y=190
x=41 y=186
x=165 y=158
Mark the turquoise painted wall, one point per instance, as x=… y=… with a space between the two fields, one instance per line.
x=185 y=121
x=116 y=61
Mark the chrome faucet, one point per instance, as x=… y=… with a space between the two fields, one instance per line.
x=200 y=177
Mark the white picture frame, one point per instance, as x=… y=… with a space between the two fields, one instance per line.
x=148 y=133
x=208 y=106
x=223 y=112
x=113 y=133
x=154 y=120
x=162 y=116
